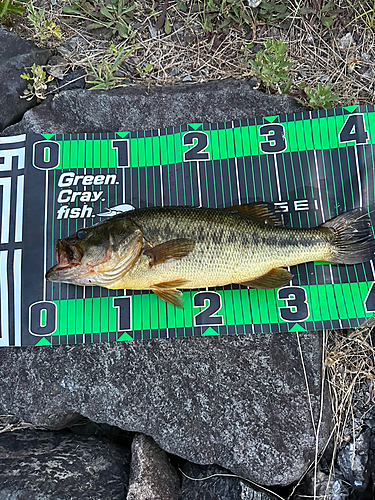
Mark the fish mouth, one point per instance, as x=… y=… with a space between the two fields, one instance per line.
x=68 y=265
x=67 y=254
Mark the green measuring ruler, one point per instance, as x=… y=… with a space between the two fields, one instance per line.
x=309 y=166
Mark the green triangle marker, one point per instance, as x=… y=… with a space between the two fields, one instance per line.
x=195 y=126
x=297 y=328
x=43 y=341
x=122 y=134
x=270 y=119
x=47 y=136
x=125 y=337
x=209 y=331
x=351 y=109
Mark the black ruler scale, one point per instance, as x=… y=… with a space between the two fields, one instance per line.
x=311 y=166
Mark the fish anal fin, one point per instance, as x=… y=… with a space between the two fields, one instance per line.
x=168 y=292
x=257 y=211
x=169 y=250
x=173 y=297
x=273 y=279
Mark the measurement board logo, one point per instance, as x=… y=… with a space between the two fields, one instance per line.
x=69 y=180
x=84 y=190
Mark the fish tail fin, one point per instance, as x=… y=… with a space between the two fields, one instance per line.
x=353 y=240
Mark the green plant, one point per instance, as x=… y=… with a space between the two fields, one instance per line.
x=326 y=14
x=246 y=45
x=181 y=5
x=8 y=7
x=43 y=27
x=114 y=15
x=143 y=72
x=113 y=50
x=367 y=15
x=38 y=83
x=272 y=11
x=219 y=15
x=151 y=10
x=103 y=73
x=322 y=98
x=271 y=66
x=167 y=26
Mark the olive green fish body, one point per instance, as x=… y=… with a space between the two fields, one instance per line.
x=228 y=248
x=170 y=248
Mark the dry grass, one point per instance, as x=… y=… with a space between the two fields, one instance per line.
x=193 y=53
x=9 y=423
x=350 y=361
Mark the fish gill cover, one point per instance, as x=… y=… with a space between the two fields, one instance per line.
x=308 y=167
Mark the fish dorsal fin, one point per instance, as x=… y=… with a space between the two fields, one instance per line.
x=173 y=249
x=273 y=279
x=168 y=292
x=257 y=211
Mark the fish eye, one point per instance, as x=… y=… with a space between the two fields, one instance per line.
x=81 y=234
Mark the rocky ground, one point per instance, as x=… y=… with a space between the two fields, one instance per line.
x=265 y=417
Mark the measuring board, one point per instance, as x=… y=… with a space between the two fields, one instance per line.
x=311 y=166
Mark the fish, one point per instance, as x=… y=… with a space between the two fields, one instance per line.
x=167 y=249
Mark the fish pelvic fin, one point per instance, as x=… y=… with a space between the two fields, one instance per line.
x=170 y=250
x=168 y=292
x=275 y=278
x=351 y=239
x=258 y=212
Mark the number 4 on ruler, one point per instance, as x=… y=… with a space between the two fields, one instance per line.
x=354 y=129
x=370 y=299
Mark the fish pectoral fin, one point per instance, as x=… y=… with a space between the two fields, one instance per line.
x=168 y=292
x=273 y=279
x=173 y=249
x=257 y=211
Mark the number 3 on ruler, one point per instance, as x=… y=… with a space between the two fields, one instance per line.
x=276 y=142
x=297 y=309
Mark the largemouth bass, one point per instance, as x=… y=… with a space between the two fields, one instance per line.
x=172 y=248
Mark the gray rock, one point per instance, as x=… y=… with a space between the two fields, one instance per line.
x=152 y=476
x=240 y=402
x=254 y=3
x=134 y=108
x=56 y=66
x=72 y=46
x=353 y=461
x=86 y=427
x=345 y=42
x=37 y=465
x=16 y=55
x=71 y=81
x=324 y=486
x=214 y=483
x=153 y=31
